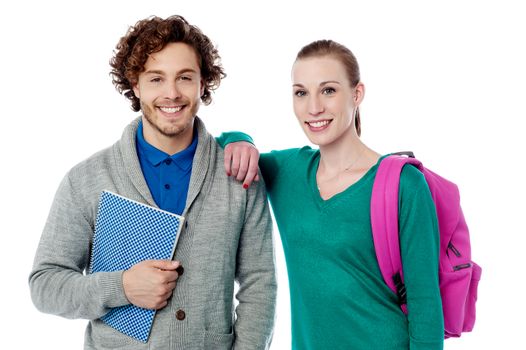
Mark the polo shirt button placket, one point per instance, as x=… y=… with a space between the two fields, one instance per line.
x=167 y=161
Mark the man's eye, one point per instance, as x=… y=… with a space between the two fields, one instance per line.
x=155 y=80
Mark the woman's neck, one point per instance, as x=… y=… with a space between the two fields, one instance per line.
x=342 y=164
x=341 y=154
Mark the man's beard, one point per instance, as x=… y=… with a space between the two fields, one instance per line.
x=168 y=131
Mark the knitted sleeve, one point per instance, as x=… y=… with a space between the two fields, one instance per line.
x=255 y=273
x=233 y=136
x=57 y=282
x=269 y=163
x=419 y=244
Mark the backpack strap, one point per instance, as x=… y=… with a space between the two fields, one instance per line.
x=384 y=221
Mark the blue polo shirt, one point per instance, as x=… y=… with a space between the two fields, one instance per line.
x=167 y=176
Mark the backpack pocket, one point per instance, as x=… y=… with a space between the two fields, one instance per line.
x=459 y=295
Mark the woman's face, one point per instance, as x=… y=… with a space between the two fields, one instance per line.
x=323 y=99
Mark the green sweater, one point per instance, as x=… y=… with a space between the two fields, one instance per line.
x=338 y=297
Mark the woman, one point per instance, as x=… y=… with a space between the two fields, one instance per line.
x=321 y=199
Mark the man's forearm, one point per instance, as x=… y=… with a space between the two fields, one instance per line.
x=58 y=284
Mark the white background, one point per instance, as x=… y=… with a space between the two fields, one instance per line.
x=444 y=79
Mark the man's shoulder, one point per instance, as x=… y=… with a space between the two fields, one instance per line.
x=106 y=157
x=85 y=180
x=95 y=161
x=95 y=173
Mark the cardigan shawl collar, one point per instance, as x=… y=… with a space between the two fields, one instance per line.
x=200 y=165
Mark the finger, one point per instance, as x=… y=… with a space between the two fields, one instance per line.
x=167 y=265
x=228 y=160
x=169 y=276
x=235 y=164
x=252 y=173
x=160 y=305
x=168 y=291
x=171 y=285
x=243 y=165
x=257 y=177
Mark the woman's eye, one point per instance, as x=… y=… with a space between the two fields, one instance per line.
x=300 y=93
x=328 y=91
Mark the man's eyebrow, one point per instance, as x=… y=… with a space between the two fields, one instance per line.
x=154 y=71
x=160 y=72
x=187 y=70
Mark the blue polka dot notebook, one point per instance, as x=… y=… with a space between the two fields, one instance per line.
x=126 y=233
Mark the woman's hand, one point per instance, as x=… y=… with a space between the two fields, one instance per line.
x=241 y=162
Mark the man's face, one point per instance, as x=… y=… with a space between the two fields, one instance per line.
x=169 y=90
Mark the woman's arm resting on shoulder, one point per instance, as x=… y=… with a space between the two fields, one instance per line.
x=241 y=162
x=242 y=159
x=241 y=156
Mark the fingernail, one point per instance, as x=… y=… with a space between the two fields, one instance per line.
x=245 y=186
x=228 y=174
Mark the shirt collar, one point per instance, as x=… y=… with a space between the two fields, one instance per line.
x=155 y=156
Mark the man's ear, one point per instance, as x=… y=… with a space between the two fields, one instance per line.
x=202 y=91
x=136 y=89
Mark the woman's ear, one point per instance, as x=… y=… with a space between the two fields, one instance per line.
x=359 y=92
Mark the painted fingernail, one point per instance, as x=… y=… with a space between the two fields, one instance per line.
x=245 y=186
x=228 y=174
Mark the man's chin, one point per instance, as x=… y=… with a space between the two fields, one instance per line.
x=170 y=131
x=169 y=128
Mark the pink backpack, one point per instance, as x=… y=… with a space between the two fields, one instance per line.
x=458 y=275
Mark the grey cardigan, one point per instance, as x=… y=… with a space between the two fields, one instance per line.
x=228 y=237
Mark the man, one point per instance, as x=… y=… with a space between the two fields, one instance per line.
x=165 y=158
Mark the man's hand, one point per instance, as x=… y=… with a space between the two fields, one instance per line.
x=150 y=283
x=241 y=162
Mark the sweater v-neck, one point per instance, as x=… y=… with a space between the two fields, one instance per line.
x=340 y=195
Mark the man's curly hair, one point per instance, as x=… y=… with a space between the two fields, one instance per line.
x=151 y=35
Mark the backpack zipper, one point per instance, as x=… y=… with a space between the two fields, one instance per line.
x=461 y=266
x=453 y=249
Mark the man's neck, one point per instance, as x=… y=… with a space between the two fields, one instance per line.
x=168 y=144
